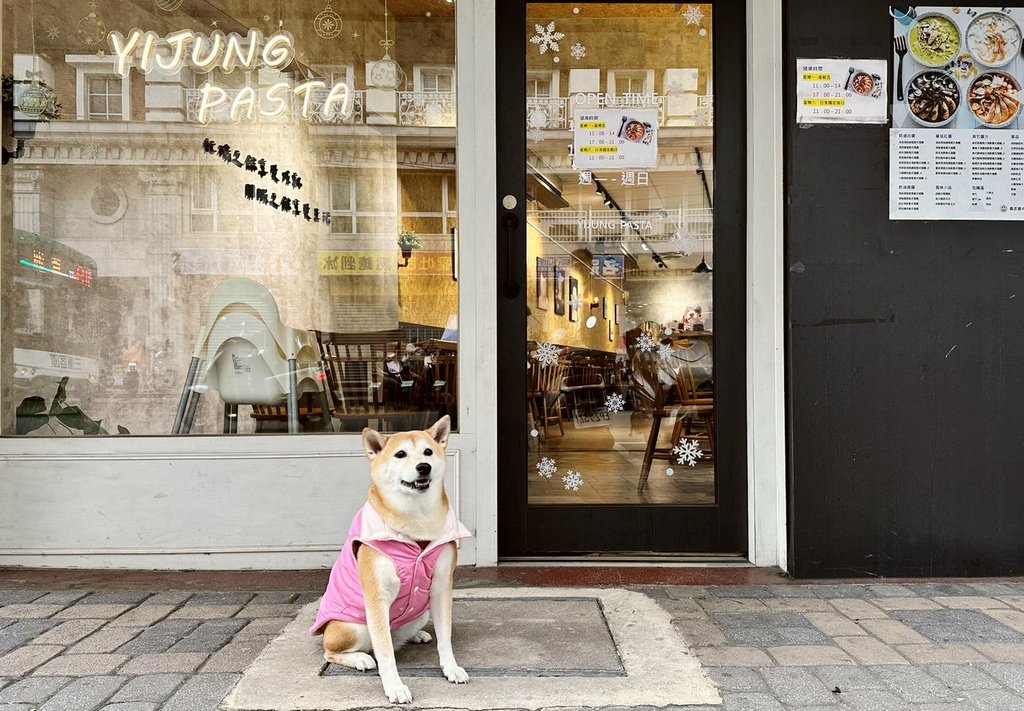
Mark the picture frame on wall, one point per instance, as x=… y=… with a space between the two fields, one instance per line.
x=617 y=314
x=574 y=299
x=611 y=332
x=604 y=307
x=559 y=287
x=543 y=284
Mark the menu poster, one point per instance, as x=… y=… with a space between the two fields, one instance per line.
x=956 y=147
x=841 y=91
x=615 y=138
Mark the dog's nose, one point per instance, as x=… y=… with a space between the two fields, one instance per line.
x=423 y=469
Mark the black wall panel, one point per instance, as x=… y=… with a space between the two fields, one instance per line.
x=906 y=352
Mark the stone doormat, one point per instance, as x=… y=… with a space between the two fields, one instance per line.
x=524 y=648
x=541 y=636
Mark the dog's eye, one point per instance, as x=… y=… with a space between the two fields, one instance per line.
x=427 y=452
x=400 y=454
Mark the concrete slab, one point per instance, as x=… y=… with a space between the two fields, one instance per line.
x=541 y=636
x=652 y=665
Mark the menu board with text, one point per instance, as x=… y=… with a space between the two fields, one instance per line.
x=841 y=91
x=615 y=138
x=956 y=147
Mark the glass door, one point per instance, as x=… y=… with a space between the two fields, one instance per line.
x=621 y=213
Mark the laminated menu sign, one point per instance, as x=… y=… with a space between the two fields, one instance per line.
x=956 y=147
x=841 y=91
x=616 y=138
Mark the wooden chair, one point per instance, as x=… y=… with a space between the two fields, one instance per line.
x=586 y=382
x=697 y=415
x=363 y=389
x=439 y=387
x=664 y=391
x=311 y=411
x=544 y=394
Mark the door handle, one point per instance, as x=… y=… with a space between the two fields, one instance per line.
x=511 y=287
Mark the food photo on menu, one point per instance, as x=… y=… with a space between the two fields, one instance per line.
x=957 y=67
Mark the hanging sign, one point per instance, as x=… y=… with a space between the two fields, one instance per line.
x=841 y=91
x=956 y=148
x=616 y=138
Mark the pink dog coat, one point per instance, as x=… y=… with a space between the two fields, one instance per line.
x=343 y=600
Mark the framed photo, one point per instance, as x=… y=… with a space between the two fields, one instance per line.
x=574 y=299
x=543 y=283
x=611 y=332
x=559 y=285
x=604 y=307
x=617 y=311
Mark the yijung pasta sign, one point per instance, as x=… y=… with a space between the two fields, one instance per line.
x=147 y=51
x=615 y=138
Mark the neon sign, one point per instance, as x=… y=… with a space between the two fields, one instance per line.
x=204 y=53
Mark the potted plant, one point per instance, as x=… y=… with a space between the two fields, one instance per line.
x=407 y=242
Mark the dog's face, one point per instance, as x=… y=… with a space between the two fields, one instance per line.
x=409 y=463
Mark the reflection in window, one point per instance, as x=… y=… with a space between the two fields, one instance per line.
x=104 y=97
x=343 y=200
x=437 y=79
x=630 y=82
x=538 y=85
x=318 y=237
x=619 y=352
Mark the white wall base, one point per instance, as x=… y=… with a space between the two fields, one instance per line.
x=272 y=502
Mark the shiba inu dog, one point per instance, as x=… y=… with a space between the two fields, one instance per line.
x=397 y=568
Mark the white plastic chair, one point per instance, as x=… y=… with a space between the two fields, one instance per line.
x=249 y=357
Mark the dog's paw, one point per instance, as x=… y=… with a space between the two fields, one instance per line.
x=456 y=674
x=421 y=637
x=398 y=693
x=360 y=661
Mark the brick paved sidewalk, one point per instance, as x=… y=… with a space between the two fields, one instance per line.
x=886 y=646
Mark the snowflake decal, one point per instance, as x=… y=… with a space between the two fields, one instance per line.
x=576 y=303
x=534 y=134
x=546 y=467
x=702 y=117
x=546 y=354
x=693 y=15
x=615 y=403
x=573 y=480
x=645 y=343
x=578 y=51
x=52 y=31
x=688 y=451
x=665 y=351
x=547 y=37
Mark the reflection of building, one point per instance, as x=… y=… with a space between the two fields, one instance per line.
x=657 y=221
x=123 y=178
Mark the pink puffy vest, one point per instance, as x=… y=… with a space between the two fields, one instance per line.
x=343 y=599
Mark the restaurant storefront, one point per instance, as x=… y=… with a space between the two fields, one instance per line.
x=234 y=234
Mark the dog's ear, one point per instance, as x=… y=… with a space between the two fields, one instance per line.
x=373 y=442
x=440 y=430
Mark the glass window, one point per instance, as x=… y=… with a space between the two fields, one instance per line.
x=538 y=85
x=435 y=80
x=620 y=348
x=630 y=82
x=244 y=227
x=104 y=96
